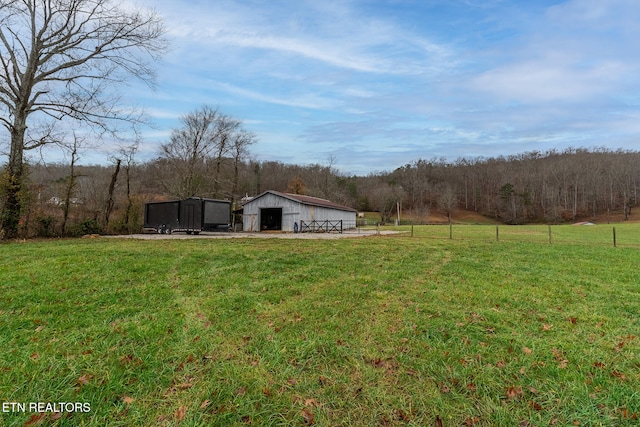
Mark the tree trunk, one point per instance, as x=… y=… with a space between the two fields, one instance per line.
x=69 y=191
x=11 y=211
x=14 y=180
x=127 y=213
x=109 y=206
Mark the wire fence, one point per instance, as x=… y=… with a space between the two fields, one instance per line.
x=618 y=235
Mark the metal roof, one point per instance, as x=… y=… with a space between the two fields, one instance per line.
x=307 y=200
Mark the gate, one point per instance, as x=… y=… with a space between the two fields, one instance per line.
x=321 y=226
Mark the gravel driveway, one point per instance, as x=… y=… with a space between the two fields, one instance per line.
x=263 y=235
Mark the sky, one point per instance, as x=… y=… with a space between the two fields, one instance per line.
x=368 y=86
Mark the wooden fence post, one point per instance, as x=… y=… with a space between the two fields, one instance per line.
x=615 y=243
x=497 y=234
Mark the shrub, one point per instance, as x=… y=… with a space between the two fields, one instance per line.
x=90 y=226
x=46 y=226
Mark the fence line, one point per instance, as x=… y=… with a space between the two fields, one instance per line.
x=620 y=235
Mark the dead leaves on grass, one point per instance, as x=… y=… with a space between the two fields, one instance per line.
x=180 y=413
x=130 y=360
x=309 y=407
x=624 y=341
x=559 y=356
x=514 y=393
x=43 y=418
x=307 y=416
x=626 y=414
x=619 y=375
x=309 y=411
x=181 y=386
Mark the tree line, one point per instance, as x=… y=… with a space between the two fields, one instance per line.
x=552 y=186
x=543 y=187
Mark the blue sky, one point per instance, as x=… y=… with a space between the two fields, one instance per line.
x=376 y=84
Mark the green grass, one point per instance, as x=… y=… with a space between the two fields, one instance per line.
x=370 y=331
x=626 y=235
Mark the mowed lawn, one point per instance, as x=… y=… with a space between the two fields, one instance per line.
x=375 y=331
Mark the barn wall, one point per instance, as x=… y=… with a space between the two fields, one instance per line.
x=320 y=213
x=292 y=212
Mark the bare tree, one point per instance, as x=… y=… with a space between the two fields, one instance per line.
x=416 y=183
x=447 y=199
x=240 y=151
x=384 y=198
x=206 y=137
x=187 y=152
x=108 y=208
x=624 y=177
x=70 y=186
x=226 y=129
x=60 y=60
x=129 y=161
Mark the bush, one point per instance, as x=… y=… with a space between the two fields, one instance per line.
x=90 y=226
x=119 y=227
x=46 y=226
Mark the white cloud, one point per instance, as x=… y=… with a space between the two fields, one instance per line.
x=550 y=79
x=308 y=101
x=596 y=15
x=332 y=34
x=566 y=57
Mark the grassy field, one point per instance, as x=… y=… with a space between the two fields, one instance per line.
x=376 y=331
x=626 y=235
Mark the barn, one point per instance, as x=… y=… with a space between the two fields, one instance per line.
x=275 y=211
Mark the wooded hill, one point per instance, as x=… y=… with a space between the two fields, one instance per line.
x=551 y=187
x=545 y=187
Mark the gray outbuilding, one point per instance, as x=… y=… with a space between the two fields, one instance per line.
x=275 y=211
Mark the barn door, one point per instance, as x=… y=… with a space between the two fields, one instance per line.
x=271 y=219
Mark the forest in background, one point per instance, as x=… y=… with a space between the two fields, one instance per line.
x=64 y=64
x=533 y=187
